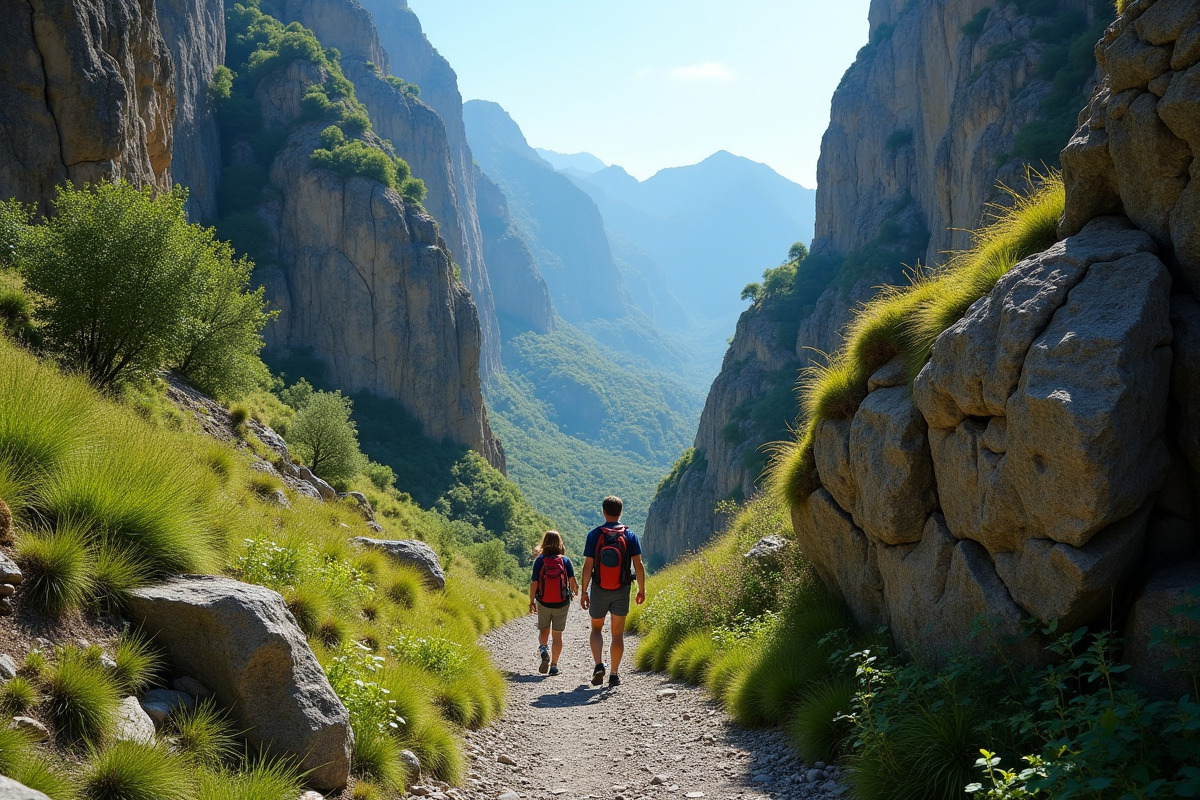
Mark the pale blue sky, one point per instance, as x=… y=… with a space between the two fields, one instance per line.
x=649 y=84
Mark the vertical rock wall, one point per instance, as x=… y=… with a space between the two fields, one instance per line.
x=194 y=32
x=88 y=95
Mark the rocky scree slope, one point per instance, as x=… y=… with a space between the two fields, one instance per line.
x=923 y=125
x=1044 y=462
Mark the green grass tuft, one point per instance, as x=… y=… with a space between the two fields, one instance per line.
x=135 y=771
x=377 y=758
x=59 y=567
x=691 y=657
x=815 y=728
x=35 y=665
x=139 y=664
x=17 y=695
x=262 y=780
x=204 y=734
x=82 y=698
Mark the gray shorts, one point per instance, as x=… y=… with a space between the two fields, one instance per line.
x=555 y=618
x=608 y=601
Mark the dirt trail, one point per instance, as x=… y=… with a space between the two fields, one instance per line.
x=571 y=740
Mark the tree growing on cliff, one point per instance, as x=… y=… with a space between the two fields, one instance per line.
x=323 y=436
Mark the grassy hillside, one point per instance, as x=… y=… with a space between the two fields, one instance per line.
x=107 y=497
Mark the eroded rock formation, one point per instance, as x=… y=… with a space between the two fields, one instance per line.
x=88 y=94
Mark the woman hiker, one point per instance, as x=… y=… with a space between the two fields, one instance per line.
x=550 y=594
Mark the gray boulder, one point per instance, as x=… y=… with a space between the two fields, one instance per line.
x=413 y=553
x=944 y=597
x=240 y=641
x=326 y=491
x=360 y=499
x=831 y=454
x=1154 y=612
x=1057 y=378
x=768 y=552
x=893 y=470
x=843 y=556
x=9 y=572
x=132 y=723
x=11 y=790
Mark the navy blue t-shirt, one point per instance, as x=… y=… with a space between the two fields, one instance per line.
x=537 y=573
x=634 y=547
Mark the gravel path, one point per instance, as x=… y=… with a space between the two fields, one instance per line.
x=649 y=738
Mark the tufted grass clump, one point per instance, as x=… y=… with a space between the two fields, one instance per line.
x=17 y=695
x=138 y=663
x=135 y=771
x=690 y=659
x=377 y=758
x=904 y=321
x=81 y=697
x=820 y=724
x=21 y=760
x=204 y=734
x=59 y=567
x=263 y=779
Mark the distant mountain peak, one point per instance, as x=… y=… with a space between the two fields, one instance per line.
x=577 y=164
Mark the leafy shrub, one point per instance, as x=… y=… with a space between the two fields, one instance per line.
x=410 y=89
x=382 y=476
x=431 y=653
x=356 y=157
x=323 y=436
x=220 y=88
x=351 y=673
x=691 y=460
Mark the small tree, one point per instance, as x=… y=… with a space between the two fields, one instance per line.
x=324 y=437
x=116 y=267
x=221 y=338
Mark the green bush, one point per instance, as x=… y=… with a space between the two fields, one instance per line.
x=356 y=157
x=220 y=88
x=323 y=436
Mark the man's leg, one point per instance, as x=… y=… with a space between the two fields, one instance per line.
x=597 y=640
x=617 y=648
x=556 y=648
x=544 y=636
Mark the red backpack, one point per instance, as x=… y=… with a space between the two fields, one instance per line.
x=552 y=580
x=612 y=558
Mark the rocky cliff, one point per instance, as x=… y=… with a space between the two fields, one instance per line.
x=412 y=58
x=194 y=31
x=945 y=100
x=88 y=94
x=361 y=276
x=1044 y=463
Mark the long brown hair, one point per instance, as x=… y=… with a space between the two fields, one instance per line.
x=552 y=544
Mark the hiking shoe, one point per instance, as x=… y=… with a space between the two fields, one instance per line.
x=545 y=665
x=614 y=680
x=598 y=674
x=554 y=669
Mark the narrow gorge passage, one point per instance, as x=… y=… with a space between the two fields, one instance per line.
x=569 y=739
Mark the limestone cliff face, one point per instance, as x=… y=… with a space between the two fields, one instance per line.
x=365 y=282
x=1044 y=462
x=194 y=31
x=927 y=116
x=413 y=58
x=521 y=295
x=920 y=131
x=87 y=94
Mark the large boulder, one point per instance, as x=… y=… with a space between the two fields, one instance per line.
x=240 y=641
x=1057 y=378
x=11 y=790
x=413 y=553
x=892 y=467
x=944 y=596
x=843 y=556
x=1162 y=607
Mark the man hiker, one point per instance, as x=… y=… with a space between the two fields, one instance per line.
x=611 y=556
